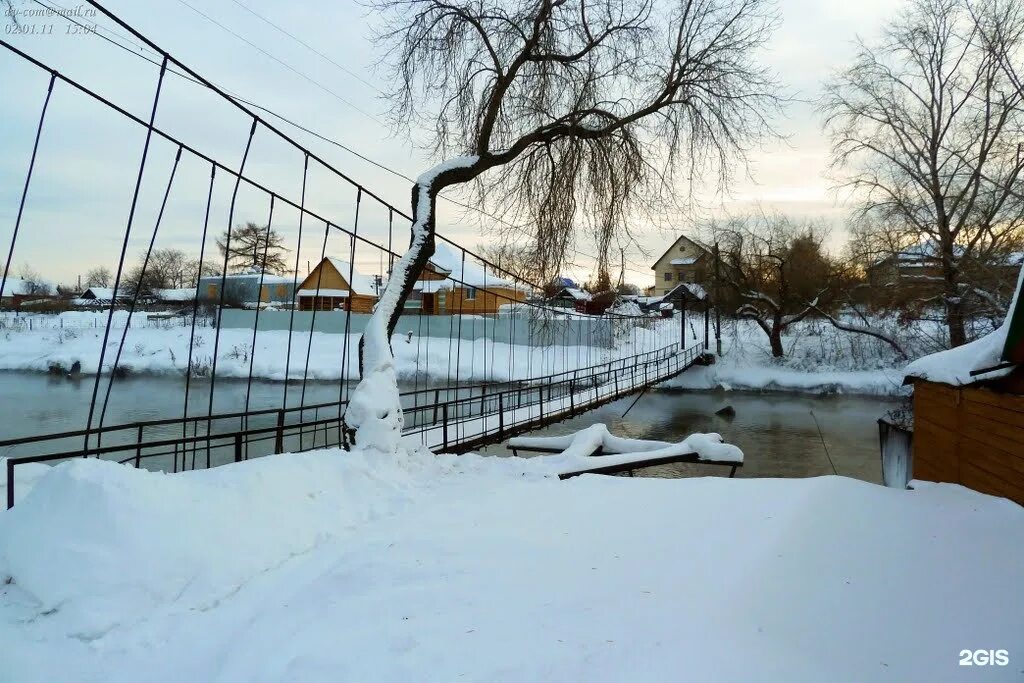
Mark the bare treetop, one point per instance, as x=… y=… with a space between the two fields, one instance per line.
x=586 y=111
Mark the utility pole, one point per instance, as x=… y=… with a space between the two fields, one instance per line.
x=718 y=314
x=622 y=268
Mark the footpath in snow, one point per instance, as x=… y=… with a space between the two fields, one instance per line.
x=328 y=566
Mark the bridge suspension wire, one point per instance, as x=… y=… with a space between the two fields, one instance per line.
x=326 y=138
x=513 y=360
x=124 y=251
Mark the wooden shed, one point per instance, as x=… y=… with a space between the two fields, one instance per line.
x=328 y=288
x=969 y=411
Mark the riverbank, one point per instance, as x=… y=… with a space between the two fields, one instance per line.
x=395 y=568
x=819 y=359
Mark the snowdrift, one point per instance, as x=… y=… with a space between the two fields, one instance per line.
x=328 y=567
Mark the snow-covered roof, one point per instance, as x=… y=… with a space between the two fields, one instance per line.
x=323 y=292
x=361 y=284
x=954 y=366
x=105 y=293
x=268 y=278
x=683 y=261
x=576 y=293
x=431 y=286
x=692 y=288
x=186 y=294
x=16 y=286
x=464 y=272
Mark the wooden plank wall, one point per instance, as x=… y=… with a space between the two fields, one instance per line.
x=970 y=435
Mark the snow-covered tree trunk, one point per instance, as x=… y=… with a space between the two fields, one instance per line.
x=374 y=413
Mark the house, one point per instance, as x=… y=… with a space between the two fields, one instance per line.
x=17 y=291
x=430 y=291
x=916 y=273
x=684 y=261
x=102 y=296
x=969 y=410
x=247 y=290
x=336 y=285
x=173 y=296
x=571 y=298
x=453 y=285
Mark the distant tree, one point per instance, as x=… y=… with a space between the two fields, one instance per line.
x=253 y=248
x=775 y=271
x=34 y=283
x=926 y=126
x=519 y=260
x=628 y=288
x=195 y=269
x=775 y=268
x=99 y=277
x=602 y=282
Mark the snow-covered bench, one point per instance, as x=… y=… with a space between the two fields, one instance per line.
x=573 y=454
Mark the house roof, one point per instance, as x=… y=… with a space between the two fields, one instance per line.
x=16 y=286
x=673 y=246
x=105 y=293
x=465 y=272
x=954 y=366
x=576 y=293
x=689 y=289
x=186 y=294
x=360 y=284
x=268 y=278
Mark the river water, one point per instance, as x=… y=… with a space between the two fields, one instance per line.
x=782 y=435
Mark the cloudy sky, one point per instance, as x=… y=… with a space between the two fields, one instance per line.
x=81 y=192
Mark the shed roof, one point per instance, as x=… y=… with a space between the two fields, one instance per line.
x=997 y=350
x=360 y=283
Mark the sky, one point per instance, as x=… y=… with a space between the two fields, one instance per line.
x=81 y=194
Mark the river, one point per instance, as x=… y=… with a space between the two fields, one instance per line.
x=782 y=435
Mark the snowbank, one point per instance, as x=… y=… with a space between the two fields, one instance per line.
x=328 y=567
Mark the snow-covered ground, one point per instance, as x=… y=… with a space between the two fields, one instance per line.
x=819 y=359
x=331 y=567
x=162 y=347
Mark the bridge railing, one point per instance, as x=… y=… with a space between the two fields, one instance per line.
x=478 y=415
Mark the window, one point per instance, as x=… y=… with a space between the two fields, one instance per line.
x=668 y=276
x=282 y=291
x=470 y=293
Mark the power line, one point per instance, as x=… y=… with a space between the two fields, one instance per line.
x=281 y=62
x=307 y=45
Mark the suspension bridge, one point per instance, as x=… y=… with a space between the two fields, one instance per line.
x=481 y=353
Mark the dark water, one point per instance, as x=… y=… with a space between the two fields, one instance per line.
x=779 y=433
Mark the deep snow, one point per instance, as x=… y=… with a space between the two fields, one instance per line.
x=332 y=567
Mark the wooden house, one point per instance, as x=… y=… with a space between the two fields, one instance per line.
x=453 y=285
x=336 y=285
x=430 y=291
x=969 y=411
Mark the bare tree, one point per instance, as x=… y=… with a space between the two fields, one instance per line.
x=254 y=248
x=33 y=283
x=99 y=277
x=775 y=270
x=566 y=111
x=928 y=125
x=519 y=260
